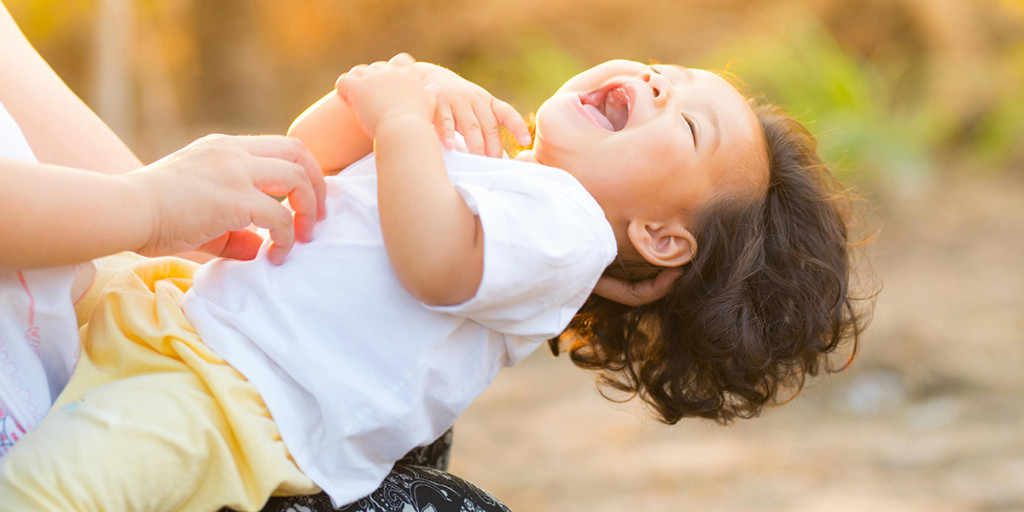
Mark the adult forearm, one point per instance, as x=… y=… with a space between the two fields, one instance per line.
x=59 y=127
x=433 y=239
x=53 y=215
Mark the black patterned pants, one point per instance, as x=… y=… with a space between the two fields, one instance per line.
x=418 y=483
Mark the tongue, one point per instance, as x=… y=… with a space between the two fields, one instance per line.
x=598 y=116
x=616 y=109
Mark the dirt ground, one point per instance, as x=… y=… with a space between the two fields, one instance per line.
x=929 y=418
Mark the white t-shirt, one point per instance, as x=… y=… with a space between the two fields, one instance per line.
x=354 y=370
x=38 y=329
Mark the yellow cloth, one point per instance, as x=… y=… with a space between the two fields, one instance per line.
x=152 y=419
x=106 y=269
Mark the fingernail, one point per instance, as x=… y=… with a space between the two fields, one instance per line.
x=274 y=255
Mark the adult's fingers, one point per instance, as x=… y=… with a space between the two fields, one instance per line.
x=288 y=180
x=509 y=117
x=640 y=292
x=272 y=215
x=291 y=150
x=241 y=244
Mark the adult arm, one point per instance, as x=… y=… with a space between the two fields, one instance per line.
x=201 y=197
x=59 y=127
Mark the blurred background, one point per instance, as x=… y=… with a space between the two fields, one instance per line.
x=919 y=104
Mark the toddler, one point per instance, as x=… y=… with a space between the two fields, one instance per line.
x=433 y=268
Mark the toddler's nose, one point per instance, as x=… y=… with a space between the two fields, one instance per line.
x=661 y=88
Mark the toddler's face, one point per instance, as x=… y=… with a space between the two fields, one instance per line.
x=652 y=140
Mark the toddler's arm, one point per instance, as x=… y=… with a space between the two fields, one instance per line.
x=433 y=240
x=331 y=131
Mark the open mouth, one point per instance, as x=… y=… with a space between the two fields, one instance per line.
x=608 y=107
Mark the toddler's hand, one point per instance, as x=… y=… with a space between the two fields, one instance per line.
x=472 y=111
x=384 y=89
x=206 y=195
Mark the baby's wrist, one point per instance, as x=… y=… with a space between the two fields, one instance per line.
x=401 y=123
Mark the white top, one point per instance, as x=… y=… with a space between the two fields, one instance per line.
x=38 y=329
x=354 y=370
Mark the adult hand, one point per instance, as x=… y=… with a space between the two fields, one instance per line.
x=637 y=293
x=472 y=111
x=205 y=196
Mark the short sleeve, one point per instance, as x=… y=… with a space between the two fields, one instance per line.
x=546 y=242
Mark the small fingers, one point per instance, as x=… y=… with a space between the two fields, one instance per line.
x=344 y=82
x=468 y=125
x=402 y=59
x=444 y=122
x=489 y=129
x=509 y=117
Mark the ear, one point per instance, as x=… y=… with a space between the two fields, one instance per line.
x=666 y=244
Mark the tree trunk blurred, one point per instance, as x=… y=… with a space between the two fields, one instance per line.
x=112 y=89
x=161 y=126
x=235 y=86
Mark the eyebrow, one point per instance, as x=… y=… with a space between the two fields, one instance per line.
x=687 y=72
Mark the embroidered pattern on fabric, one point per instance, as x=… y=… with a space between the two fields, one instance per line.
x=32 y=333
x=417 y=483
x=10 y=432
x=406 y=489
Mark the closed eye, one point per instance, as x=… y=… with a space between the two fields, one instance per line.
x=693 y=128
x=689 y=122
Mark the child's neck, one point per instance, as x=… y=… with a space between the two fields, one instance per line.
x=618 y=222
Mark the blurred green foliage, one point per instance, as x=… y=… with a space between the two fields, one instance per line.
x=999 y=136
x=536 y=66
x=847 y=102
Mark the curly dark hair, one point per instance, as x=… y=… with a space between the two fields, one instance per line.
x=760 y=306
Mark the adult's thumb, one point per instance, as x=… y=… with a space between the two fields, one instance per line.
x=241 y=244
